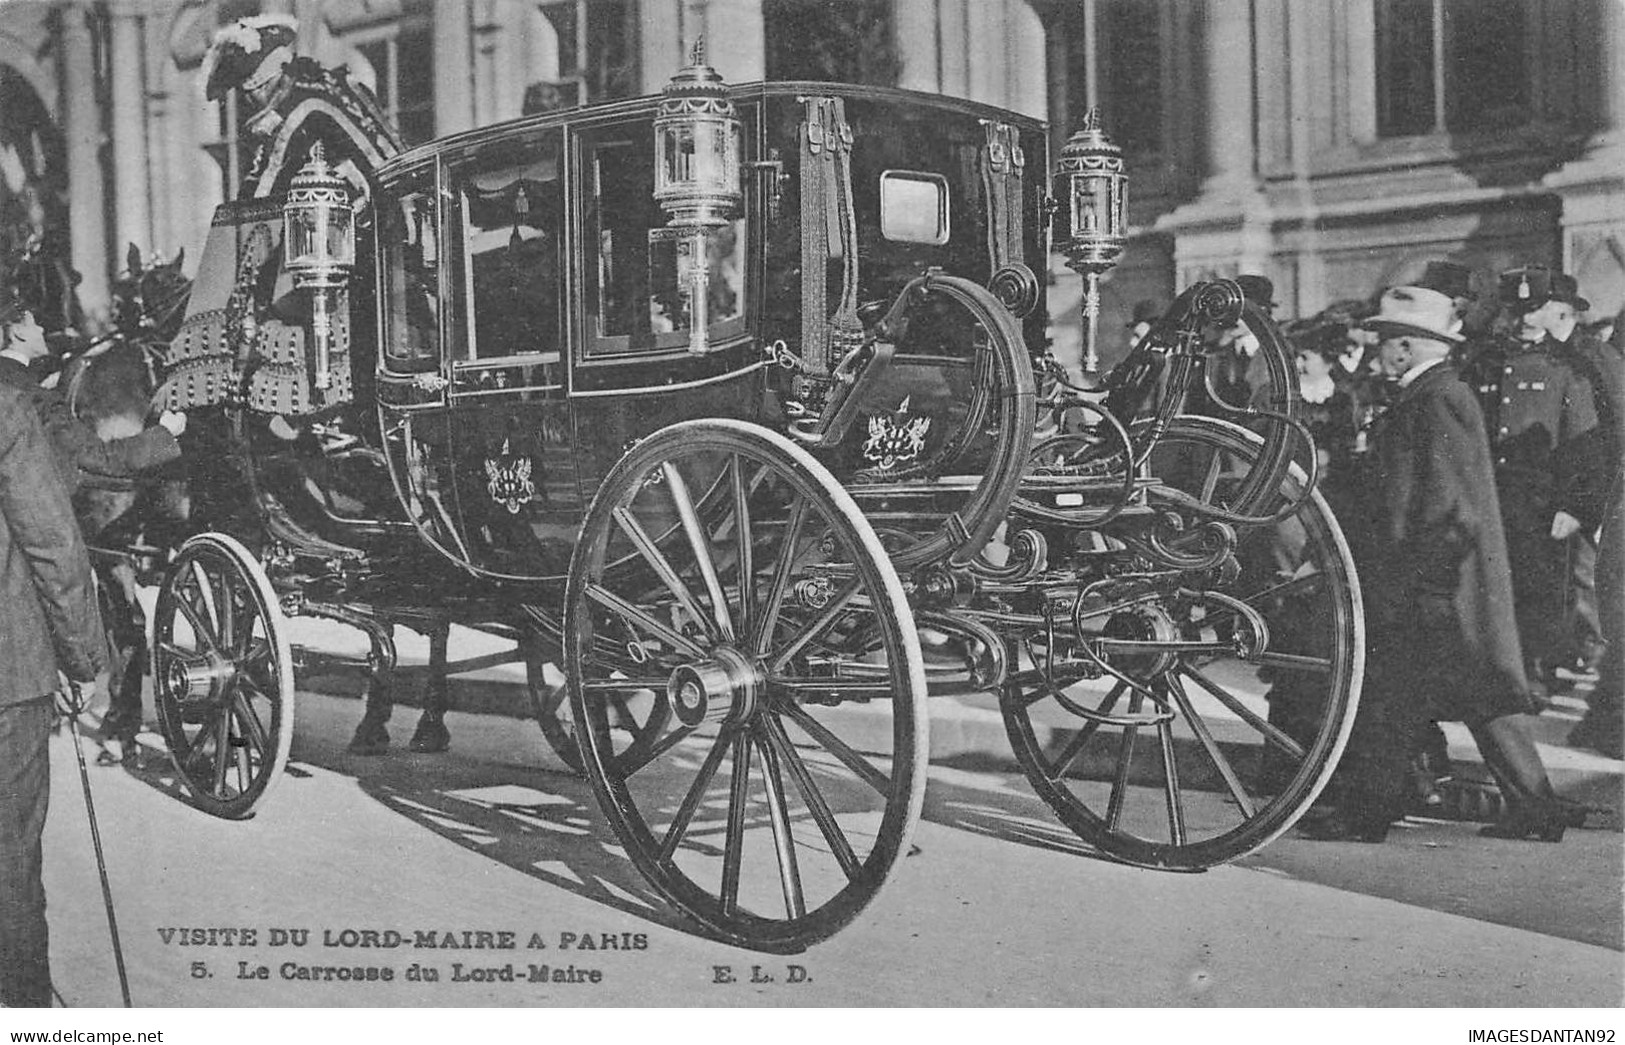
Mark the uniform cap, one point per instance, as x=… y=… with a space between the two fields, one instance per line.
x=1525 y=289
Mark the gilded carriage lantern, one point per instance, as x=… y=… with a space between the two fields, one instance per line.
x=1096 y=190
x=318 y=244
x=697 y=145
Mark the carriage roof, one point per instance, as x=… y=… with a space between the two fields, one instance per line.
x=644 y=107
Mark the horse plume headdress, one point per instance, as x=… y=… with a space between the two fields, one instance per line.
x=239 y=48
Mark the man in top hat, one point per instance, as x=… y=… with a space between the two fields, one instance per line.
x=1443 y=643
x=82 y=455
x=1541 y=415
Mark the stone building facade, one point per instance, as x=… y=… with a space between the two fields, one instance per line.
x=1334 y=146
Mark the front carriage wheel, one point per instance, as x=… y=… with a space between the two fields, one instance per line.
x=728 y=596
x=222 y=676
x=1187 y=756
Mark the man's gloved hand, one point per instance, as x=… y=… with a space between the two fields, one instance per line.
x=1564 y=526
x=173 y=420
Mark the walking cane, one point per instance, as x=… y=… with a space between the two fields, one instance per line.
x=76 y=705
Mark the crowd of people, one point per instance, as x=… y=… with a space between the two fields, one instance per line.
x=1471 y=450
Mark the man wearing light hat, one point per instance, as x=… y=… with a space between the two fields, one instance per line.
x=1541 y=415
x=1443 y=643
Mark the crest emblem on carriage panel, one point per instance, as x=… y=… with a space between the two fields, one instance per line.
x=895 y=438
x=508 y=479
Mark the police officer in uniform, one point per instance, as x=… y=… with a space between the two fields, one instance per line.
x=1541 y=414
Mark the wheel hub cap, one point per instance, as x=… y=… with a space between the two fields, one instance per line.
x=199 y=681
x=1143 y=624
x=720 y=689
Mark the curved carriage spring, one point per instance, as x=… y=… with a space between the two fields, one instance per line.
x=1126 y=388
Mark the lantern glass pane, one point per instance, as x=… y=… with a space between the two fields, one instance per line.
x=1086 y=212
x=678 y=166
x=300 y=231
x=341 y=236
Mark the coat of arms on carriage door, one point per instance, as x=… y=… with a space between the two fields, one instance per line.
x=508 y=479
x=895 y=438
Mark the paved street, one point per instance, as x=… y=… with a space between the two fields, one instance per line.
x=999 y=905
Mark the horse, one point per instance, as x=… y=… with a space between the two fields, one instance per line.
x=110 y=384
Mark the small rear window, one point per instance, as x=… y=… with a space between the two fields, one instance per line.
x=914 y=207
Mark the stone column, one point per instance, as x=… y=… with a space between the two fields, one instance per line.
x=453 y=66
x=82 y=127
x=1592 y=186
x=1226 y=229
x=131 y=174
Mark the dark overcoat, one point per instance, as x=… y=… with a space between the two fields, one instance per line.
x=48 y=615
x=1442 y=588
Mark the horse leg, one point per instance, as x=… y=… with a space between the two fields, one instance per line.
x=431 y=736
x=371 y=738
x=125 y=626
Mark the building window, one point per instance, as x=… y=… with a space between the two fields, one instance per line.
x=597 y=54
x=1127 y=42
x=851 y=42
x=1450 y=66
x=402 y=61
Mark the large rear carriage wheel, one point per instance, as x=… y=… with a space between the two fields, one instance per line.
x=1206 y=749
x=730 y=600
x=222 y=676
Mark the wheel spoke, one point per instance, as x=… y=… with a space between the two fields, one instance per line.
x=743 y=537
x=225 y=606
x=1170 y=782
x=733 y=852
x=253 y=728
x=628 y=765
x=763 y=637
x=201 y=633
x=222 y=759
x=1246 y=713
x=826 y=617
x=1125 y=756
x=663 y=569
x=1210 y=482
x=697 y=543
x=691 y=801
x=814 y=799
x=837 y=747
x=1204 y=736
x=1075 y=746
x=784 y=843
x=615 y=604
x=204 y=587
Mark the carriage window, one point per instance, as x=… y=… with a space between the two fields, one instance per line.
x=914 y=207
x=638 y=270
x=409 y=234
x=512 y=231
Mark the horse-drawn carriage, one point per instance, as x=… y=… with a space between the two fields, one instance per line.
x=735 y=404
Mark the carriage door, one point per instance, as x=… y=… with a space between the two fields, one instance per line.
x=411 y=376
x=517 y=495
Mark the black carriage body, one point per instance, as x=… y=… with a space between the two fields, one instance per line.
x=534 y=319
